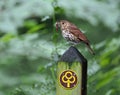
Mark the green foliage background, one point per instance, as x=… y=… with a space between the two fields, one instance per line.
x=30 y=45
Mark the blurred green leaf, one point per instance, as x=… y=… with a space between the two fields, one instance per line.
x=36 y=28
x=7 y=37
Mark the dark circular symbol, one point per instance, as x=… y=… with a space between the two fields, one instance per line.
x=68 y=79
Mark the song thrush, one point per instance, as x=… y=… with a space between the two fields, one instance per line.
x=71 y=33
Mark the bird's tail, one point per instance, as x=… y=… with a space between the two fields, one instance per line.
x=90 y=49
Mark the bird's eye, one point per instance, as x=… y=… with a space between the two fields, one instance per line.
x=62 y=22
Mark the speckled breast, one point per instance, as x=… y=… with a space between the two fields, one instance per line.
x=69 y=36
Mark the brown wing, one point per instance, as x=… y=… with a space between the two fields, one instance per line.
x=75 y=31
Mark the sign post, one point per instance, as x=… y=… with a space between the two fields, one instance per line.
x=72 y=73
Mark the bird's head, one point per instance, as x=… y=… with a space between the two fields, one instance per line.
x=62 y=24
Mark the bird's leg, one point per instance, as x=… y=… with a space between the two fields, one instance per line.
x=73 y=44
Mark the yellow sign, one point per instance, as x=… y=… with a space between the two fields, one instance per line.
x=68 y=79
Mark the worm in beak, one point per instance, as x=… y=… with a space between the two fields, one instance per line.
x=57 y=25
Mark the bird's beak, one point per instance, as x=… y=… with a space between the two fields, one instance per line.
x=57 y=25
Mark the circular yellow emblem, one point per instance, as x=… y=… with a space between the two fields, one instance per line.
x=68 y=79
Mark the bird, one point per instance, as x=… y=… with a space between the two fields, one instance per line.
x=73 y=34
